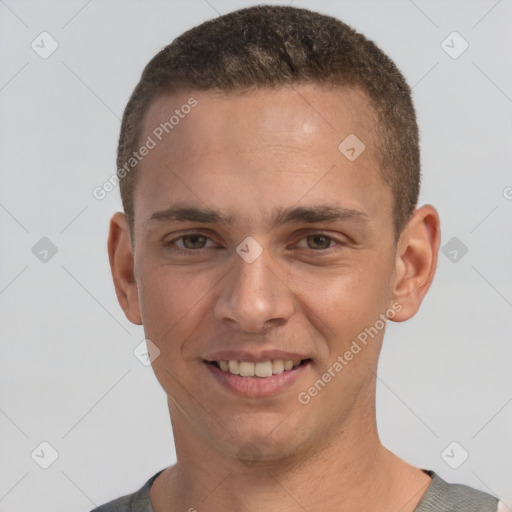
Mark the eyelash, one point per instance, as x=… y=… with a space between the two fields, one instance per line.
x=169 y=244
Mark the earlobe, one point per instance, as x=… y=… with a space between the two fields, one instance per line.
x=416 y=261
x=122 y=265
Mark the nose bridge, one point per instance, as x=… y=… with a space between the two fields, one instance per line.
x=254 y=295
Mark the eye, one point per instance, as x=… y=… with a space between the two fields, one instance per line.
x=190 y=241
x=317 y=242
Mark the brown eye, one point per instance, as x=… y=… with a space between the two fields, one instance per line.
x=318 y=241
x=195 y=241
x=189 y=243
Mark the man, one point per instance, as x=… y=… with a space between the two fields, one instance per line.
x=269 y=171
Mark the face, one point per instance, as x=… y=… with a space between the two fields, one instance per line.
x=261 y=248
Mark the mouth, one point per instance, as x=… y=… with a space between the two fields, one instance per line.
x=261 y=369
x=257 y=379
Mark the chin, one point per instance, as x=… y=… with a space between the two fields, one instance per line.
x=267 y=438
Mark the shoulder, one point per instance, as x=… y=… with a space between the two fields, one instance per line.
x=136 y=502
x=442 y=496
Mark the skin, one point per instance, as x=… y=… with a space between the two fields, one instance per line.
x=248 y=155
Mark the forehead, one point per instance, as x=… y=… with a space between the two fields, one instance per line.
x=259 y=149
x=306 y=113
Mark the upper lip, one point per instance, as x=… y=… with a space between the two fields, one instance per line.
x=253 y=356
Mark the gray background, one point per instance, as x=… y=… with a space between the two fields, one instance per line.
x=67 y=369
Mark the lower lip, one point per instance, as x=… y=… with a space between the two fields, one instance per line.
x=257 y=386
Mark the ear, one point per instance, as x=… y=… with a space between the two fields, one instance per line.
x=416 y=261
x=121 y=259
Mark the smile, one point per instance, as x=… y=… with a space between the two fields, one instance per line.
x=262 y=369
x=257 y=379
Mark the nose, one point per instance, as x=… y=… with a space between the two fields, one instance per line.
x=254 y=297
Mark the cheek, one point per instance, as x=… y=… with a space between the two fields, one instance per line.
x=171 y=305
x=174 y=310
x=343 y=302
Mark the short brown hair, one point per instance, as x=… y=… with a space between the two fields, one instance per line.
x=271 y=46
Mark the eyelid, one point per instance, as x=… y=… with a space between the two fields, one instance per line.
x=188 y=233
x=338 y=240
x=303 y=234
x=331 y=239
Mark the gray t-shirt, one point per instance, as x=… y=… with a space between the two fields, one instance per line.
x=440 y=497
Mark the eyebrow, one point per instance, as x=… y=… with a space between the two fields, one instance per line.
x=282 y=216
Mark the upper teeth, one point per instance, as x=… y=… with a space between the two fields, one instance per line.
x=261 y=369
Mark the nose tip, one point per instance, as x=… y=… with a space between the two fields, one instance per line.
x=252 y=322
